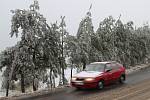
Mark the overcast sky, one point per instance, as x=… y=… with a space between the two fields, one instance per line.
x=137 y=11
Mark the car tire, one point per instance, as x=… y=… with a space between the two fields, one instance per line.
x=100 y=85
x=78 y=88
x=122 y=79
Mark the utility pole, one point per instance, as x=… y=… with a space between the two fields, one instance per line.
x=62 y=49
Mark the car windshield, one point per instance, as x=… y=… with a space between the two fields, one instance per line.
x=95 y=67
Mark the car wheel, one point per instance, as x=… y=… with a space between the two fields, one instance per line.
x=100 y=85
x=122 y=79
x=77 y=88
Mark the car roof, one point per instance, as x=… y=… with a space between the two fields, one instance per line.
x=103 y=62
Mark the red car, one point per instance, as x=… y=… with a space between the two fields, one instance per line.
x=99 y=74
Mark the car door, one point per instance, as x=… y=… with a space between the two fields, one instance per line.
x=108 y=73
x=115 y=72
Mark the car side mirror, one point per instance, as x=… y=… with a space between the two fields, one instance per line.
x=108 y=70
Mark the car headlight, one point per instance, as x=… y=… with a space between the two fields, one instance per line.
x=73 y=79
x=89 y=79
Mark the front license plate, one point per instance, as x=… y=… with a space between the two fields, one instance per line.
x=79 y=83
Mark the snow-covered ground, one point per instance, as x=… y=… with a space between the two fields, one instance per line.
x=42 y=86
x=67 y=76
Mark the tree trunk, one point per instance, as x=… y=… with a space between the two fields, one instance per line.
x=84 y=65
x=34 y=61
x=22 y=83
x=60 y=80
x=53 y=81
x=51 y=84
x=63 y=75
x=71 y=71
x=71 y=68
x=9 y=80
x=33 y=85
x=7 y=88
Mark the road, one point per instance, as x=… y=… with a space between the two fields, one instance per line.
x=136 y=87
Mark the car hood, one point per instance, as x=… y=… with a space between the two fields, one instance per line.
x=88 y=74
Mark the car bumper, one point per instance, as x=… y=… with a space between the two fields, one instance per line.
x=84 y=85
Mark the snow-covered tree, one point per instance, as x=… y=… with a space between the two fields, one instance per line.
x=104 y=39
x=63 y=34
x=84 y=36
x=71 y=50
x=38 y=48
x=7 y=59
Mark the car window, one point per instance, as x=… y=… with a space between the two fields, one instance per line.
x=115 y=66
x=108 y=67
x=119 y=65
x=95 y=67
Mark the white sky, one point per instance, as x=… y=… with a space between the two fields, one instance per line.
x=137 y=11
